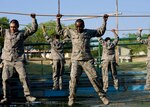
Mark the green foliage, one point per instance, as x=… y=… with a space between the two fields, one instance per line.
x=135 y=48
x=38 y=36
x=71 y=26
x=4 y=23
x=94 y=52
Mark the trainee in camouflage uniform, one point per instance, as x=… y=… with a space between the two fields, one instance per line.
x=81 y=56
x=13 y=55
x=108 y=60
x=58 y=59
x=147 y=42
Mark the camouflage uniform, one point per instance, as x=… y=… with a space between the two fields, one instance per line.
x=109 y=62
x=58 y=61
x=13 y=56
x=147 y=42
x=81 y=57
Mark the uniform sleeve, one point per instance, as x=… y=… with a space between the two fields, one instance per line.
x=65 y=32
x=114 y=43
x=139 y=39
x=100 y=31
x=48 y=39
x=66 y=40
x=32 y=29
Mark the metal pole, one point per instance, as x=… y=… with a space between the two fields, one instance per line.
x=58 y=6
x=117 y=15
x=117 y=50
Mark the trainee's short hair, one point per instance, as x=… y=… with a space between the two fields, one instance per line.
x=15 y=22
x=79 y=20
x=107 y=38
x=148 y=35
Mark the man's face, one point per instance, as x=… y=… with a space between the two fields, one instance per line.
x=13 y=27
x=79 y=27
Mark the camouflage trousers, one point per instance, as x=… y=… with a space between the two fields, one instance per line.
x=88 y=67
x=58 y=70
x=106 y=66
x=7 y=73
x=148 y=75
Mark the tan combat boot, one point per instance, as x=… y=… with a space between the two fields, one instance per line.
x=55 y=88
x=60 y=87
x=70 y=102
x=4 y=100
x=30 y=98
x=105 y=100
x=116 y=84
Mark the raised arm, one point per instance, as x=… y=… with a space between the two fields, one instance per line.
x=33 y=28
x=58 y=25
x=100 y=31
x=61 y=31
x=115 y=42
x=48 y=39
x=139 y=39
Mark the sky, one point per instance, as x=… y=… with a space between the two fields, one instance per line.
x=85 y=7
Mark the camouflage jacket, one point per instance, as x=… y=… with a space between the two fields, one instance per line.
x=81 y=41
x=108 y=52
x=146 y=42
x=57 y=50
x=13 y=49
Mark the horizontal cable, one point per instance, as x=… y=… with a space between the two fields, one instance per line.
x=78 y=15
x=25 y=14
x=128 y=29
x=85 y=16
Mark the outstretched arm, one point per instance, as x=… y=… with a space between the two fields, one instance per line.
x=115 y=42
x=139 y=39
x=100 y=31
x=58 y=24
x=33 y=28
x=61 y=31
x=48 y=39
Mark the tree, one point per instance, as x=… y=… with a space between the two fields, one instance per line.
x=51 y=31
x=38 y=36
x=4 y=24
x=137 y=47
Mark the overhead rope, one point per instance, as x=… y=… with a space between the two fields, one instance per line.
x=90 y=17
x=26 y=14
x=129 y=29
x=77 y=15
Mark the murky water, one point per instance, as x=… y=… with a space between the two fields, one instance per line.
x=130 y=94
